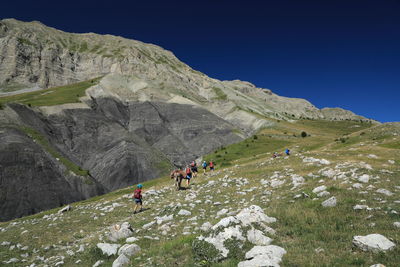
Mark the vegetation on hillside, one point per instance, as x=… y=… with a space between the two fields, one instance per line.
x=52 y=96
x=37 y=137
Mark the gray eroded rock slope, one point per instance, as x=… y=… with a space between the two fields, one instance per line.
x=149 y=111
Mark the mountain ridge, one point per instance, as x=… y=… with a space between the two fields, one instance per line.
x=146 y=113
x=126 y=57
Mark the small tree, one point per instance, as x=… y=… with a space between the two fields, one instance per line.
x=303 y=134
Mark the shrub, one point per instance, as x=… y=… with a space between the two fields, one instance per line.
x=303 y=134
x=204 y=251
x=255 y=137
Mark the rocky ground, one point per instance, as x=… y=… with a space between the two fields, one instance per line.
x=335 y=205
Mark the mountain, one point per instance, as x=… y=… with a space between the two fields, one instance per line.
x=85 y=114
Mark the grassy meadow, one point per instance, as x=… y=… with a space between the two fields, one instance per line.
x=52 y=96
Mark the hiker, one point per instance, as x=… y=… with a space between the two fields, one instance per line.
x=204 y=165
x=274 y=155
x=137 y=195
x=188 y=175
x=287 y=151
x=193 y=167
x=211 y=166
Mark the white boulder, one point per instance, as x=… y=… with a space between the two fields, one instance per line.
x=65 y=209
x=373 y=242
x=323 y=194
x=184 y=212
x=254 y=214
x=122 y=260
x=263 y=256
x=319 y=189
x=129 y=250
x=364 y=178
x=330 y=202
x=257 y=237
x=108 y=249
x=118 y=232
x=384 y=191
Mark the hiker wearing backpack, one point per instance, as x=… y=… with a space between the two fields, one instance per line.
x=287 y=151
x=211 y=166
x=188 y=175
x=137 y=195
x=193 y=167
x=204 y=165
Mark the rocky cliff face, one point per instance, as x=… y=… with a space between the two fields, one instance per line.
x=148 y=112
x=32 y=180
x=118 y=144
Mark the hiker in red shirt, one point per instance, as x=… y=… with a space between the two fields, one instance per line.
x=211 y=166
x=137 y=195
x=188 y=175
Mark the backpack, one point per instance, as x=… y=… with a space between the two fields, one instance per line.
x=192 y=164
x=204 y=164
x=137 y=193
x=211 y=164
x=188 y=171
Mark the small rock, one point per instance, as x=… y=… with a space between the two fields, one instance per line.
x=361 y=207
x=364 y=178
x=319 y=189
x=148 y=225
x=222 y=212
x=323 y=194
x=81 y=249
x=108 y=249
x=184 y=212
x=206 y=226
x=330 y=202
x=122 y=260
x=98 y=263
x=65 y=209
x=319 y=250
x=396 y=224
x=131 y=239
x=357 y=186
x=120 y=231
x=129 y=250
x=12 y=260
x=257 y=237
x=385 y=192
x=263 y=256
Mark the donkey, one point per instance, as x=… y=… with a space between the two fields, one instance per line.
x=178 y=175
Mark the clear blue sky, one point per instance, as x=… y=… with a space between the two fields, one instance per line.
x=332 y=53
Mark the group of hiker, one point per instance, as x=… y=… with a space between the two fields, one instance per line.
x=276 y=154
x=179 y=174
x=190 y=171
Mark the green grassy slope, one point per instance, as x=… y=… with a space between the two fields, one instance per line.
x=311 y=234
x=52 y=96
